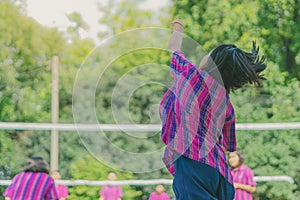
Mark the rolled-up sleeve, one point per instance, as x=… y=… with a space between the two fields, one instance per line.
x=7 y=192
x=250 y=180
x=179 y=63
x=229 y=130
x=52 y=193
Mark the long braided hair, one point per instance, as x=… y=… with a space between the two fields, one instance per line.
x=233 y=67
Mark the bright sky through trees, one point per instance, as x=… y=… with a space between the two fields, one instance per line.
x=53 y=12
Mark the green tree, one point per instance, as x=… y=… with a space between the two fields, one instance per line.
x=274 y=152
x=25 y=90
x=128 y=57
x=88 y=168
x=125 y=15
x=280 y=22
x=77 y=23
x=24 y=64
x=25 y=82
x=7 y=151
x=211 y=23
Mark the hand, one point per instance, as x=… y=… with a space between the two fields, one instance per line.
x=245 y=187
x=236 y=185
x=177 y=25
x=176 y=37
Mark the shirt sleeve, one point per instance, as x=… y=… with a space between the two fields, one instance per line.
x=179 y=63
x=52 y=193
x=120 y=192
x=229 y=130
x=151 y=196
x=64 y=191
x=250 y=177
x=102 y=191
x=8 y=190
x=166 y=196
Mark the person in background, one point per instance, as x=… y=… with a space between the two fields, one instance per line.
x=62 y=190
x=159 y=194
x=243 y=176
x=33 y=183
x=111 y=192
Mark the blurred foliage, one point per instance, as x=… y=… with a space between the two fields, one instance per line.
x=77 y=23
x=25 y=59
x=279 y=21
x=123 y=16
x=128 y=59
x=271 y=153
x=87 y=168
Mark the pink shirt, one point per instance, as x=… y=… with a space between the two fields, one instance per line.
x=161 y=196
x=111 y=192
x=62 y=191
x=31 y=186
x=244 y=175
x=198 y=119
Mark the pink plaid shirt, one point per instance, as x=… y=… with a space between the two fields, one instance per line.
x=62 y=191
x=198 y=119
x=111 y=192
x=244 y=175
x=161 y=196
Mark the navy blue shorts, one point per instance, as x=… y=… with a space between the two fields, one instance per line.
x=197 y=181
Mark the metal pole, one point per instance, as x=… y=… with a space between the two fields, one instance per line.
x=149 y=182
x=54 y=112
x=133 y=127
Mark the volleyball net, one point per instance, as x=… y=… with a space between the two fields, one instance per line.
x=137 y=128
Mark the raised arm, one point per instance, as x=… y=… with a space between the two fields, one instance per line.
x=176 y=37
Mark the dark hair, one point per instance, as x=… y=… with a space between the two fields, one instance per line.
x=235 y=66
x=36 y=164
x=240 y=155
